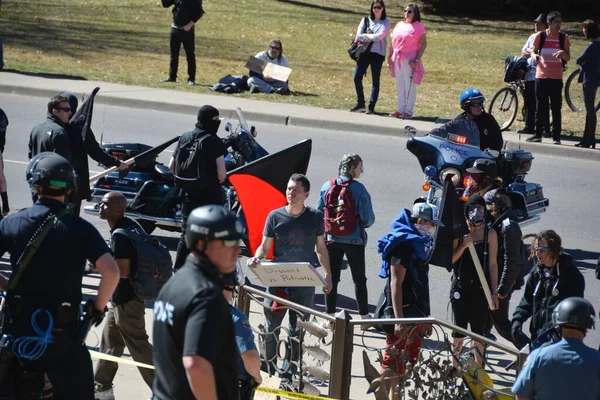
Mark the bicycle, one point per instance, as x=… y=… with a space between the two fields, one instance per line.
x=574 y=93
x=506 y=101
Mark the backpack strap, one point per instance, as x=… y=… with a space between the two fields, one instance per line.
x=561 y=40
x=542 y=41
x=33 y=245
x=366 y=27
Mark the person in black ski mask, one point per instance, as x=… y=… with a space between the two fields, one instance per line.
x=198 y=163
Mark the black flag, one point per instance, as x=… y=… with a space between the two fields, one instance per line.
x=455 y=226
x=82 y=120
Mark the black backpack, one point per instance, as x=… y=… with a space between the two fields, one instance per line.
x=190 y=166
x=561 y=43
x=154 y=264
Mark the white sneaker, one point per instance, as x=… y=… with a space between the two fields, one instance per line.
x=107 y=394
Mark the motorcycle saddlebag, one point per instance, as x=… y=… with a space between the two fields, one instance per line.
x=516 y=162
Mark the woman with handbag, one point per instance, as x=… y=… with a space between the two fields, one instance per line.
x=408 y=45
x=372 y=30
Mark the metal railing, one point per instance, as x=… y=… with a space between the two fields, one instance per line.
x=342 y=346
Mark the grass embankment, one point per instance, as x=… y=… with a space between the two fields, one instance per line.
x=127 y=41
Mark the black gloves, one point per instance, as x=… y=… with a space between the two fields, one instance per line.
x=520 y=339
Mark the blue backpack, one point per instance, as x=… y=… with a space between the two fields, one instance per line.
x=154 y=264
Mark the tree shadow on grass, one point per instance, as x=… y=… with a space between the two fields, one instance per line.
x=320 y=7
x=47 y=75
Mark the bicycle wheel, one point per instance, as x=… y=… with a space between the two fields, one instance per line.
x=504 y=106
x=574 y=93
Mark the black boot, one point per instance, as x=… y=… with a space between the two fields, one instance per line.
x=5 y=207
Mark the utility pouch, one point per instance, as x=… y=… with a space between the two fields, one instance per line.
x=65 y=315
x=247 y=389
x=6 y=355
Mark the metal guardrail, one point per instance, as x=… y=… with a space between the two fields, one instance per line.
x=343 y=339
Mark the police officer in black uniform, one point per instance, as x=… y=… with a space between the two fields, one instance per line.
x=195 y=353
x=47 y=290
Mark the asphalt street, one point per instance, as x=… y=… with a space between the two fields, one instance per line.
x=392 y=175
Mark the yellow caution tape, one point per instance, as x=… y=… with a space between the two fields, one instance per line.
x=289 y=395
x=102 y=356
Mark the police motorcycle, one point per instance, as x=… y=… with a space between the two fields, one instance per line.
x=153 y=200
x=453 y=150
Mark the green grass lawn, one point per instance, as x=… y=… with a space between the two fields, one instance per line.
x=127 y=41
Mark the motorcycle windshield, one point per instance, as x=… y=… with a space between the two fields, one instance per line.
x=460 y=126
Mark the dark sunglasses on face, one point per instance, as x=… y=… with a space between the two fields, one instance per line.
x=476 y=104
x=541 y=249
x=275 y=47
x=377 y=8
x=65 y=109
x=408 y=11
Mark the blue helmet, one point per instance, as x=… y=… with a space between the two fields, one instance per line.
x=470 y=95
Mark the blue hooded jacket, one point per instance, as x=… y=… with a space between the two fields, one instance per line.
x=402 y=231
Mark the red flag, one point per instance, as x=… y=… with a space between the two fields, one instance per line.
x=261 y=186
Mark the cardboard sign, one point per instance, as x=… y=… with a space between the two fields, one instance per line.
x=301 y=274
x=268 y=70
x=271 y=382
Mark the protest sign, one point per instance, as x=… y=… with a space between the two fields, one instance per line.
x=298 y=274
x=268 y=70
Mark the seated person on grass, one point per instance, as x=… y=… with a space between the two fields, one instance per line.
x=261 y=84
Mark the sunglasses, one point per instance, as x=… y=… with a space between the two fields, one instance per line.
x=408 y=11
x=275 y=47
x=541 y=249
x=476 y=104
x=377 y=8
x=65 y=109
x=231 y=243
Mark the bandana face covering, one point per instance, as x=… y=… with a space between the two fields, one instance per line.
x=425 y=230
x=476 y=214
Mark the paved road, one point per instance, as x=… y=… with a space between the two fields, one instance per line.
x=392 y=175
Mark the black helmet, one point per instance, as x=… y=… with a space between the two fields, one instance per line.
x=212 y=222
x=485 y=166
x=50 y=170
x=575 y=311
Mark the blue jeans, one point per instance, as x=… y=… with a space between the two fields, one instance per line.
x=266 y=87
x=303 y=296
x=375 y=61
x=589 y=98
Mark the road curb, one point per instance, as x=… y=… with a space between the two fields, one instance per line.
x=271 y=116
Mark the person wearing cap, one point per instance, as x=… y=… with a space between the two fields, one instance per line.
x=529 y=94
x=83 y=143
x=210 y=156
x=294 y=232
x=510 y=257
x=553 y=278
x=405 y=250
x=469 y=305
x=567 y=369
x=485 y=177
x=51 y=135
x=48 y=288
x=195 y=352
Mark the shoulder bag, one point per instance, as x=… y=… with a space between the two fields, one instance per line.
x=356 y=49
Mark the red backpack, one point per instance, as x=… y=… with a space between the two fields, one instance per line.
x=339 y=214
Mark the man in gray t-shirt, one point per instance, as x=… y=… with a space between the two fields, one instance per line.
x=295 y=231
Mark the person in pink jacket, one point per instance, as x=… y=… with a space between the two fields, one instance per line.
x=408 y=45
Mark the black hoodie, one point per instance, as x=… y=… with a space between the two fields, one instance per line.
x=184 y=11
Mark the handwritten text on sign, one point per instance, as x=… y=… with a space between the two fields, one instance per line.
x=288 y=274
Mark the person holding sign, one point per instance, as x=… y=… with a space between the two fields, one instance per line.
x=259 y=83
x=294 y=232
x=469 y=305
